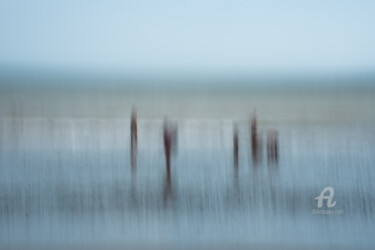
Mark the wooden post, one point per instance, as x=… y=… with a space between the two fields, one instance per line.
x=272 y=145
x=235 y=145
x=133 y=139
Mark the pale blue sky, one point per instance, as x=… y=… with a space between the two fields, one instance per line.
x=200 y=35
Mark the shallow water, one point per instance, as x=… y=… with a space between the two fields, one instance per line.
x=67 y=181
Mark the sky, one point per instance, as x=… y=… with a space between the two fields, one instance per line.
x=192 y=36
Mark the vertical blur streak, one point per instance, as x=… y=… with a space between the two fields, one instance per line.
x=133 y=140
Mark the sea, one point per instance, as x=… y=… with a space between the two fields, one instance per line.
x=66 y=180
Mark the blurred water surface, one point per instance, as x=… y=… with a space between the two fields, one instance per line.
x=66 y=179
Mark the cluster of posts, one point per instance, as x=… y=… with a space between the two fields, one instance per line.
x=170 y=142
x=256 y=143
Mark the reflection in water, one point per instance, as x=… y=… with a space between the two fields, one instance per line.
x=167 y=193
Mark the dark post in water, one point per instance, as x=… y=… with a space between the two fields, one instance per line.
x=133 y=139
x=235 y=145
